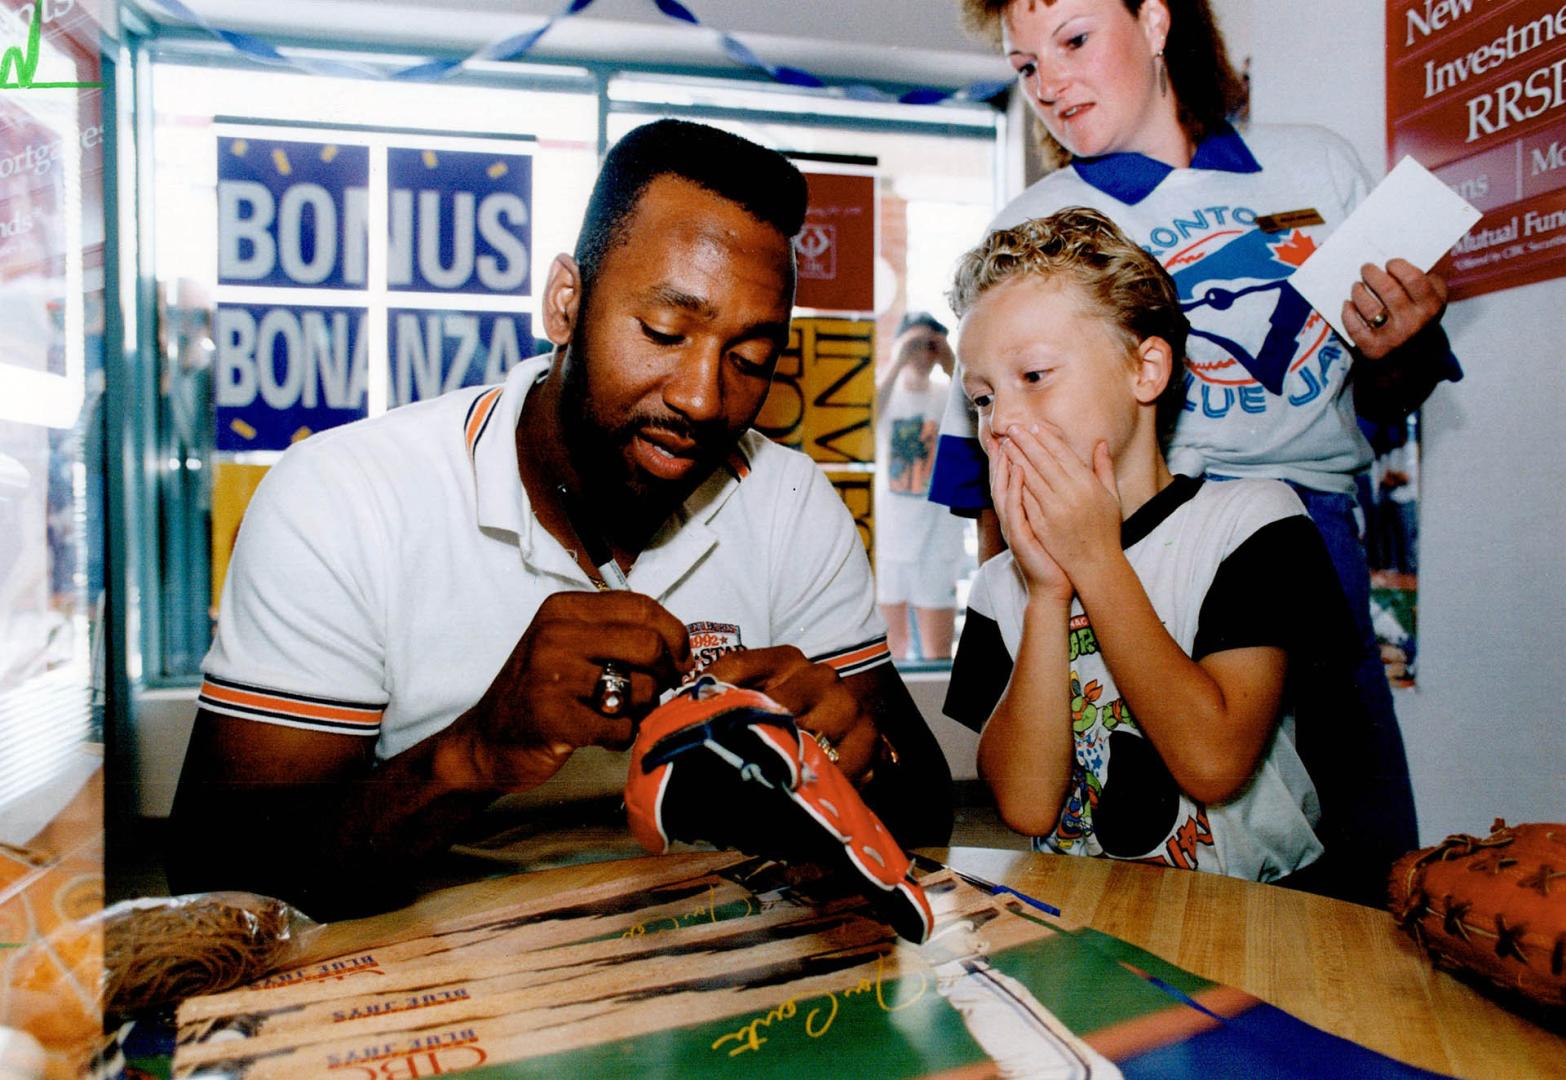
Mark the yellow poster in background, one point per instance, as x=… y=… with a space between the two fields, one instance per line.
x=824 y=391
x=822 y=402
x=232 y=487
x=856 y=488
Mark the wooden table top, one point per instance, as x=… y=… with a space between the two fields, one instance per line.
x=1344 y=968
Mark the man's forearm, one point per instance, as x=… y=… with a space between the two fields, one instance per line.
x=335 y=847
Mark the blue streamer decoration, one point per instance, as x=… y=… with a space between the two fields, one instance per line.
x=517 y=46
x=676 y=10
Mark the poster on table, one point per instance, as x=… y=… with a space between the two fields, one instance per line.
x=1476 y=92
x=719 y=965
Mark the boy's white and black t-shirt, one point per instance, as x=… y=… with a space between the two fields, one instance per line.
x=1226 y=565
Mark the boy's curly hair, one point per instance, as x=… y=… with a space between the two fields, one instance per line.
x=1125 y=284
x=1204 y=82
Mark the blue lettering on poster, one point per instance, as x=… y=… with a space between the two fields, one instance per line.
x=292 y=213
x=461 y=222
x=435 y=352
x=284 y=372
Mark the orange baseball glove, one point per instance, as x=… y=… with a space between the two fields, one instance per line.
x=729 y=766
x=1496 y=906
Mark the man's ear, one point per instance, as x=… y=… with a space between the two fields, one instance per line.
x=1154 y=369
x=562 y=299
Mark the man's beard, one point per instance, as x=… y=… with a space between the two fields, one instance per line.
x=599 y=449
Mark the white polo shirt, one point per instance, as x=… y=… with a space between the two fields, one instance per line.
x=387 y=568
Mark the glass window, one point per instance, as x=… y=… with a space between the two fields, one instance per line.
x=51 y=434
x=280 y=156
x=297 y=314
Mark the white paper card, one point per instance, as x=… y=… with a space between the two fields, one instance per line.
x=1411 y=215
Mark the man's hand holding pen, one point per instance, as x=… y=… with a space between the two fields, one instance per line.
x=549 y=698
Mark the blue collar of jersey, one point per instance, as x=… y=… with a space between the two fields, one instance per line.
x=1131 y=177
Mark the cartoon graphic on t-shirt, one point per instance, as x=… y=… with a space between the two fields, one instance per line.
x=911 y=455
x=1121 y=799
x=1180 y=849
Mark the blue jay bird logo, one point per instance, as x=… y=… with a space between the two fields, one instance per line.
x=1249 y=271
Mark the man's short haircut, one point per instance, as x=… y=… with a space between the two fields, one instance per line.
x=920 y=318
x=1125 y=284
x=762 y=182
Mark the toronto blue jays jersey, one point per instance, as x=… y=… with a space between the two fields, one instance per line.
x=1266 y=376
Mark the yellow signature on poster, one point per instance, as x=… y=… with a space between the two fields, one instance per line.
x=823 y=393
x=232 y=487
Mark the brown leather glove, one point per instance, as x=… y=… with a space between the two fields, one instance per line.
x=1495 y=906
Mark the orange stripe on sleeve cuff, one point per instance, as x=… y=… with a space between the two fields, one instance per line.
x=858 y=657
x=256 y=703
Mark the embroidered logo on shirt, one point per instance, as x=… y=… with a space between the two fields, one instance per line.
x=710 y=640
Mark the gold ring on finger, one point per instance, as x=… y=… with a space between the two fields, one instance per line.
x=826 y=747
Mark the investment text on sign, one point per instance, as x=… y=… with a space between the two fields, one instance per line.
x=1476 y=91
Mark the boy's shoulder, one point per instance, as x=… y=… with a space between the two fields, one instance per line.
x=1218 y=517
x=1260 y=501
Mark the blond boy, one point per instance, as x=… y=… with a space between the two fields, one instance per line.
x=1129 y=658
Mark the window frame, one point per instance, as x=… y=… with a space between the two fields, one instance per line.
x=161 y=600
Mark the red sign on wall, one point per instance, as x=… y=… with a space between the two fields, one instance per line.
x=1476 y=92
x=835 y=251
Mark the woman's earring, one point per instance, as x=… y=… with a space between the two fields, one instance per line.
x=1163 y=74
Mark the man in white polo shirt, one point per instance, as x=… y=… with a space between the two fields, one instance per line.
x=437 y=607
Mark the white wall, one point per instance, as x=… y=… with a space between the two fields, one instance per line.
x=1483 y=727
